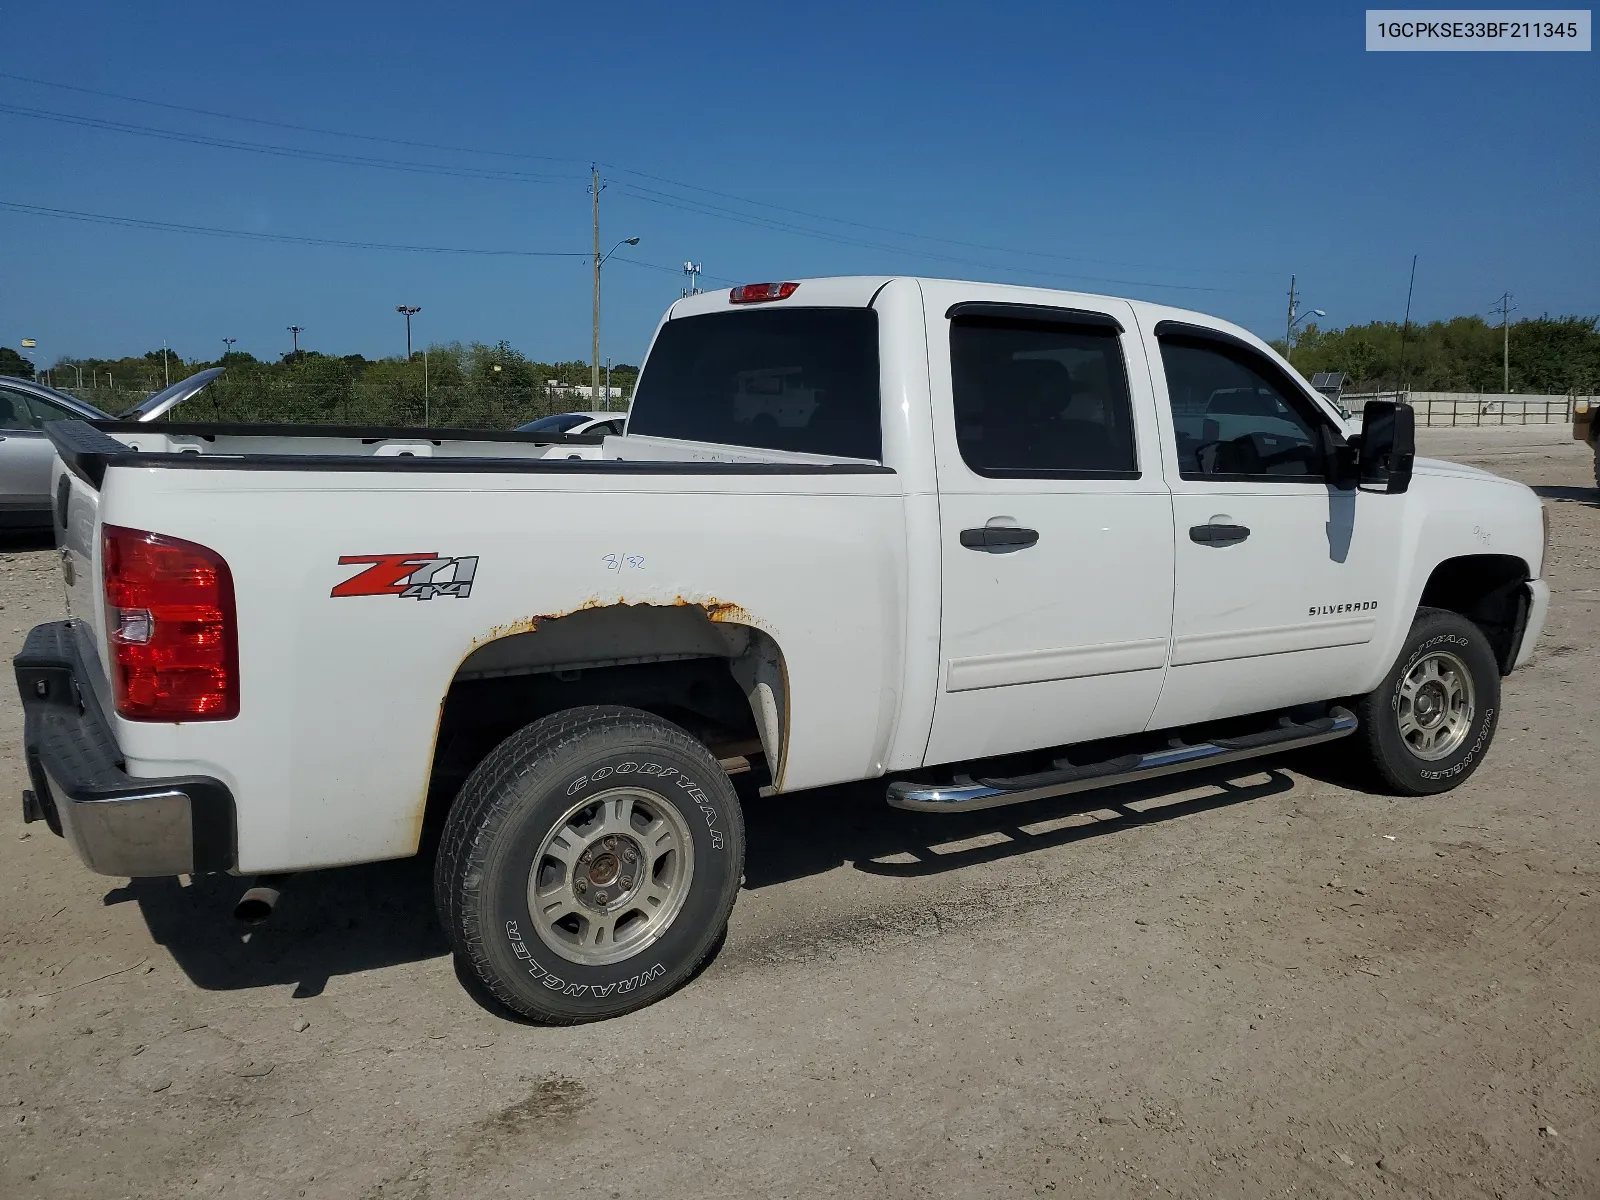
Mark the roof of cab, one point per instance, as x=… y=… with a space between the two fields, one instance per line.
x=857 y=291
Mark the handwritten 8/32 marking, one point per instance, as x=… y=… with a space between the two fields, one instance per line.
x=623 y=562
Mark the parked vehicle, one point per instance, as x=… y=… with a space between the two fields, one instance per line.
x=26 y=455
x=990 y=557
x=607 y=424
x=1585 y=428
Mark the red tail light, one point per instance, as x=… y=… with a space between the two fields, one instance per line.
x=171 y=628
x=755 y=293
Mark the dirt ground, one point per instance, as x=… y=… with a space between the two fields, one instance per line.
x=1223 y=987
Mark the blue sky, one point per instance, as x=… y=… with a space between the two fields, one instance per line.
x=1108 y=148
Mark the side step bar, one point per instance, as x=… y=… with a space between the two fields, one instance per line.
x=969 y=795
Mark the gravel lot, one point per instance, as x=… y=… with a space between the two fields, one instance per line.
x=1241 y=986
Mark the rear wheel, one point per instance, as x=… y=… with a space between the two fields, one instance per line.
x=1429 y=724
x=590 y=864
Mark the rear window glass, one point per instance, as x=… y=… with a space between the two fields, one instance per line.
x=802 y=379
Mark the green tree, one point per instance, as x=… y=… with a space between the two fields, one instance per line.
x=12 y=363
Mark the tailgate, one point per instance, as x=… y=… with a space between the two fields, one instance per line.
x=76 y=512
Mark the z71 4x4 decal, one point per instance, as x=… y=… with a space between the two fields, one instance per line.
x=409 y=576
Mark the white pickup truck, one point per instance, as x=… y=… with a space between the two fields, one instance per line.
x=988 y=543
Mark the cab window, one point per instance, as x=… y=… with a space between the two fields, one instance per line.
x=1236 y=417
x=1041 y=399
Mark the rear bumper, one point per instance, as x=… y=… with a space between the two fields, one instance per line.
x=117 y=824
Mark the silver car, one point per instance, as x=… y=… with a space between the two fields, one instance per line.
x=26 y=454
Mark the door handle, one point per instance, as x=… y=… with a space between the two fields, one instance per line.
x=1218 y=535
x=998 y=539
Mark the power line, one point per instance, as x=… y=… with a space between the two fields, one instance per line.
x=199 y=139
x=660 y=198
x=295 y=239
x=670 y=270
x=207 y=112
x=649 y=196
x=256 y=236
x=924 y=237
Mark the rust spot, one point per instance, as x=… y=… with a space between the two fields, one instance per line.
x=714 y=609
x=718 y=610
x=532 y=623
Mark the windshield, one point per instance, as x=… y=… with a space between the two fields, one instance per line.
x=559 y=423
x=800 y=379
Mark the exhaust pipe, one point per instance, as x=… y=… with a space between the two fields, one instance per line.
x=256 y=905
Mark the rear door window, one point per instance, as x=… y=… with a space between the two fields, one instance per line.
x=799 y=379
x=1041 y=399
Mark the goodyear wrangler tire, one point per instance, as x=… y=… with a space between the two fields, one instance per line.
x=1429 y=724
x=589 y=864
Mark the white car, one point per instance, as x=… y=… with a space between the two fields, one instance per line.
x=26 y=455
x=1007 y=551
x=602 y=423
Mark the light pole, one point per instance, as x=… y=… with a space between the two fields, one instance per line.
x=408 y=311
x=600 y=261
x=227 y=346
x=295 y=331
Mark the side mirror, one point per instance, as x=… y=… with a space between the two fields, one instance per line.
x=1388 y=447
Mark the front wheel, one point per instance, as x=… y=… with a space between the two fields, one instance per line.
x=589 y=864
x=1429 y=724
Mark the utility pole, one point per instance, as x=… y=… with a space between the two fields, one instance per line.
x=692 y=270
x=295 y=331
x=594 y=366
x=1288 y=327
x=166 y=372
x=608 y=385
x=1505 y=341
x=1405 y=329
x=408 y=311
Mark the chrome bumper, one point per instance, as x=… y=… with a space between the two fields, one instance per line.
x=117 y=824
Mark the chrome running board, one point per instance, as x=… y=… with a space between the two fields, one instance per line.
x=969 y=795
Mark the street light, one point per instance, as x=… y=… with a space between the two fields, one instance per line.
x=295 y=331
x=1288 y=342
x=227 y=346
x=600 y=261
x=408 y=311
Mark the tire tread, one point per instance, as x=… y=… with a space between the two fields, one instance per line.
x=1371 y=709
x=487 y=799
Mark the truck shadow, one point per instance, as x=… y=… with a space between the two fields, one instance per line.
x=816 y=831
x=1587 y=496
x=338 y=922
x=327 y=923
x=15 y=541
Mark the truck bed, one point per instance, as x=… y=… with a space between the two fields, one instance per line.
x=88 y=448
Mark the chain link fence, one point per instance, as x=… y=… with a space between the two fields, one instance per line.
x=1473 y=409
